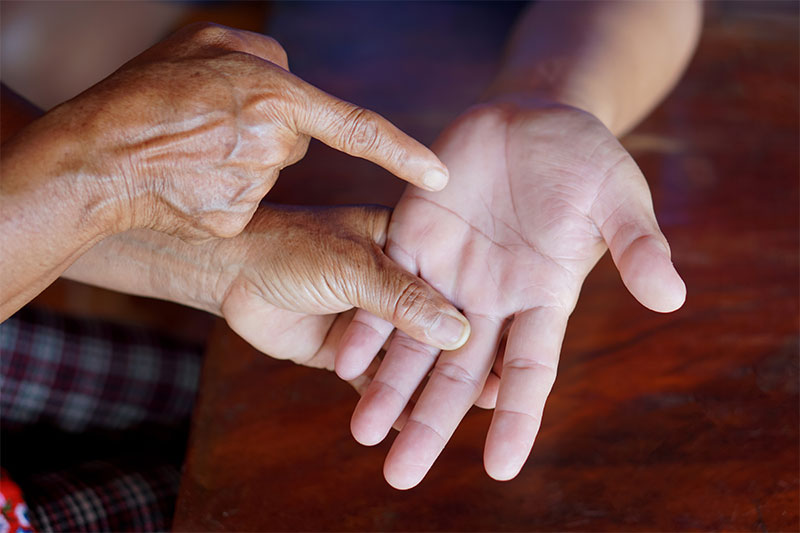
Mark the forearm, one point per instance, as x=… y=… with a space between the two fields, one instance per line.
x=51 y=211
x=149 y=263
x=616 y=60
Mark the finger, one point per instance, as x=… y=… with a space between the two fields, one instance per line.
x=370 y=221
x=624 y=213
x=404 y=366
x=362 y=340
x=361 y=383
x=400 y=423
x=248 y=316
x=207 y=35
x=409 y=303
x=454 y=385
x=367 y=333
x=262 y=46
x=324 y=356
x=363 y=133
x=529 y=371
x=488 y=397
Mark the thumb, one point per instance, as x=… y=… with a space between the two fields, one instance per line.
x=409 y=303
x=624 y=213
x=379 y=285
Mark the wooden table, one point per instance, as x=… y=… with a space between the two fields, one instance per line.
x=687 y=421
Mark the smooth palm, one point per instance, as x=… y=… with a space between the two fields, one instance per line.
x=536 y=192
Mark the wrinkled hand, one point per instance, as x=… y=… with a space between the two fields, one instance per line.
x=287 y=277
x=539 y=192
x=189 y=136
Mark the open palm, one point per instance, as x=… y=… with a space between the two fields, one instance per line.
x=538 y=193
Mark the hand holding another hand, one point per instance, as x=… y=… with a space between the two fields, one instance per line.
x=284 y=280
x=286 y=284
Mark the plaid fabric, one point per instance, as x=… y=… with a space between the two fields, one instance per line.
x=94 y=419
x=83 y=375
x=117 y=495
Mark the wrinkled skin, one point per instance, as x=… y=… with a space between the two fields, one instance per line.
x=189 y=136
x=538 y=192
x=292 y=270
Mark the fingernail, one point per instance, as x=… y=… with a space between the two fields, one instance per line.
x=449 y=332
x=434 y=179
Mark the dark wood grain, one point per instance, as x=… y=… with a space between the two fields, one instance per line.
x=678 y=422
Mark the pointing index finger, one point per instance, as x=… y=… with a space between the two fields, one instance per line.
x=363 y=133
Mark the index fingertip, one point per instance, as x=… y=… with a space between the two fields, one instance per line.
x=435 y=179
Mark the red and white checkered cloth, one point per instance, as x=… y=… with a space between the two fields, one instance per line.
x=94 y=419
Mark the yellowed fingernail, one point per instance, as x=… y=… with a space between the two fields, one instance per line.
x=449 y=332
x=434 y=179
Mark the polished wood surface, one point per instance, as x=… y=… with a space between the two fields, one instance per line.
x=679 y=422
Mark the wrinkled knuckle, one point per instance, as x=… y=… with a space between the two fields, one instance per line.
x=399 y=155
x=208 y=33
x=243 y=61
x=360 y=134
x=411 y=305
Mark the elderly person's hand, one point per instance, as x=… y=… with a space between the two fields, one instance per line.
x=284 y=282
x=187 y=138
x=323 y=262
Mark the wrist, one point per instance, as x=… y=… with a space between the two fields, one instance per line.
x=196 y=275
x=42 y=176
x=553 y=82
x=227 y=260
x=53 y=160
x=156 y=265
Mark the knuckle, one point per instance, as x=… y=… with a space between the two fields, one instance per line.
x=399 y=155
x=208 y=33
x=530 y=365
x=457 y=374
x=360 y=132
x=409 y=345
x=411 y=305
x=239 y=59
